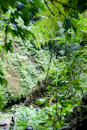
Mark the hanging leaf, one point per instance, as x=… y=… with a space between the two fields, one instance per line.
x=2 y=102
x=8 y=46
x=5 y=4
x=25 y=16
x=74 y=24
x=66 y=102
x=42 y=123
x=2 y=79
x=67 y=24
x=39 y=4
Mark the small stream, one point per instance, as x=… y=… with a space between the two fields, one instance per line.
x=11 y=103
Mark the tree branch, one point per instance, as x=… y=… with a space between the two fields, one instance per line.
x=64 y=4
x=68 y=5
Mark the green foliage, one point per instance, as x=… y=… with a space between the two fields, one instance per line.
x=67 y=75
x=3 y=81
x=66 y=71
x=44 y=118
x=25 y=66
x=2 y=101
x=10 y=13
x=2 y=77
x=65 y=11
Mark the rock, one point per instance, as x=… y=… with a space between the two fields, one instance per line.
x=66 y=128
x=2 y=124
x=78 y=118
x=29 y=128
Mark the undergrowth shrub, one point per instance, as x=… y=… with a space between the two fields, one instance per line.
x=40 y=119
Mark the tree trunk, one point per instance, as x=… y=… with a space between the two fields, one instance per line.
x=35 y=93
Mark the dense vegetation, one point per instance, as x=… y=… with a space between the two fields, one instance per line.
x=43 y=41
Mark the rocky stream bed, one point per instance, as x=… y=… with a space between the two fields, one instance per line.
x=5 y=123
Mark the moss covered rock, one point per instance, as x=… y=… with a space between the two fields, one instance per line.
x=78 y=118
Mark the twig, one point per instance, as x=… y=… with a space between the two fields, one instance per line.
x=68 y=5
x=48 y=7
x=49 y=62
x=81 y=5
x=65 y=5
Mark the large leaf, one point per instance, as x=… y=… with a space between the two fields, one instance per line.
x=66 y=102
x=25 y=16
x=6 y=3
x=74 y=24
x=67 y=24
x=3 y=81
